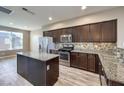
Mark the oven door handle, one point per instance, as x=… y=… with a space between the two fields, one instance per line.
x=64 y=52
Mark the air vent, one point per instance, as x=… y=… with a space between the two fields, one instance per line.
x=5 y=10
x=28 y=11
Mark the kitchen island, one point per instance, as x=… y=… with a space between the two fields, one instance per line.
x=40 y=69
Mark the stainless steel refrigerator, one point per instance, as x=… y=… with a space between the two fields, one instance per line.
x=45 y=44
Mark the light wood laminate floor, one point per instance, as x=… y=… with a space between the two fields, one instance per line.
x=68 y=76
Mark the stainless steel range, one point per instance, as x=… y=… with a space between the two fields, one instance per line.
x=64 y=53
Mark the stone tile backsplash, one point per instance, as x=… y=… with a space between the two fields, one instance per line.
x=95 y=46
x=120 y=53
x=92 y=46
x=104 y=47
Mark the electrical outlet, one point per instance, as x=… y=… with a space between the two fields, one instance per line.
x=48 y=67
x=123 y=44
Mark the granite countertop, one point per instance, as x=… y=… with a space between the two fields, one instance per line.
x=112 y=65
x=40 y=56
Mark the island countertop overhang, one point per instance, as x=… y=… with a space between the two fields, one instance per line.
x=38 y=55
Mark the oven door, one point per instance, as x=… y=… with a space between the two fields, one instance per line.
x=64 y=56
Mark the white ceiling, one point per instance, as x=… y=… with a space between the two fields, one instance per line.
x=20 y=18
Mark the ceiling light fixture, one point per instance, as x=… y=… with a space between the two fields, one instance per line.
x=11 y=23
x=50 y=18
x=28 y=11
x=83 y=7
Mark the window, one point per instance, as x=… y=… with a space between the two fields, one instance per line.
x=5 y=41
x=11 y=40
x=17 y=40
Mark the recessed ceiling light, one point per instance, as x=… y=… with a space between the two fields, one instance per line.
x=83 y=7
x=50 y=18
x=11 y=23
x=25 y=27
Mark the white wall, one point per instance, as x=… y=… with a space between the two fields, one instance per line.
x=34 y=40
x=116 y=13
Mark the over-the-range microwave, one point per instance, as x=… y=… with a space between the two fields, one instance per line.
x=66 y=38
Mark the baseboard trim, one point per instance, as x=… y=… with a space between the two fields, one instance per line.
x=7 y=56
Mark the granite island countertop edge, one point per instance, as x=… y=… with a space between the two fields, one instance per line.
x=39 y=56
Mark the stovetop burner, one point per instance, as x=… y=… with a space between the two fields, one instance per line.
x=67 y=48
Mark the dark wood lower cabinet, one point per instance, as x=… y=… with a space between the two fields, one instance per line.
x=22 y=67
x=74 y=59
x=53 y=73
x=79 y=60
x=91 y=62
x=34 y=68
x=84 y=61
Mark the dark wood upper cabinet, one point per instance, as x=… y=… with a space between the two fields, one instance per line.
x=109 y=31
x=45 y=33
x=68 y=31
x=74 y=34
x=57 y=36
x=95 y=33
x=52 y=34
x=84 y=33
x=63 y=31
